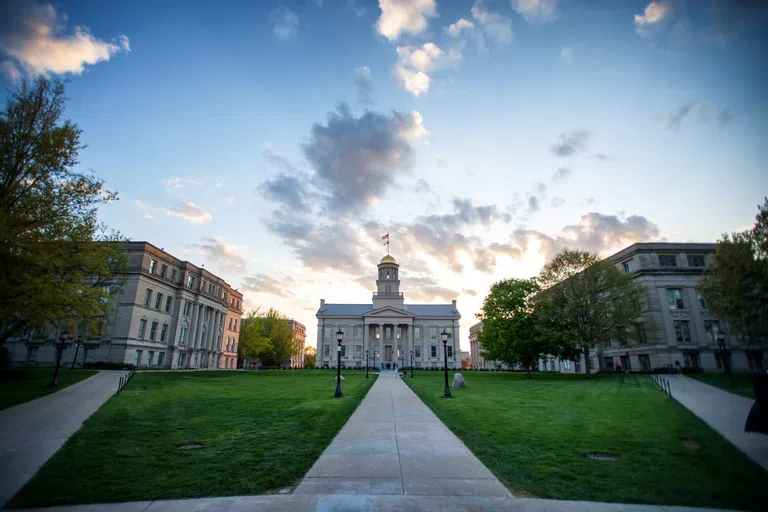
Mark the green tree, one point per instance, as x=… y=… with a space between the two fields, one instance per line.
x=586 y=302
x=310 y=357
x=735 y=286
x=55 y=270
x=252 y=341
x=266 y=336
x=510 y=329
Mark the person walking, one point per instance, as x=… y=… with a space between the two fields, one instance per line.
x=678 y=368
x=757 y=419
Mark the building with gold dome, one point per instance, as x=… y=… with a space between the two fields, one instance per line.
x=388 y=329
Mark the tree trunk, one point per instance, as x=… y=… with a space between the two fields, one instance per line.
x=528 y=372
x=587 y=367
x=59 y=352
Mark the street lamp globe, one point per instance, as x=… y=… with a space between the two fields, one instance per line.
x=339 y=336
x=444 y=336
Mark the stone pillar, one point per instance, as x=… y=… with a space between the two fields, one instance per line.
x=319 y=346
x=410 y=346
x=455 y=341
x=380 y=341
x=198 y=329
x=192 y=331
x=366 y=336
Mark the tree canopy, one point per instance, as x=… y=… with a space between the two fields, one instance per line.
x=735 y=287
x=510 y=330
x=587 y=302
x=266 y=336
x=310 y=357
x=56 y=265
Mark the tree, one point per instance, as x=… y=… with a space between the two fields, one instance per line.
x=56 y=265
x=586 y=302
x=310 y=357
x=266 y=336
x=510 y=329
x=735 y=286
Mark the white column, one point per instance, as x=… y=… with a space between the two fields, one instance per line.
x=410 y=346
x=455 y=341
x=366 y=336
x=380 y=327
x=319 y=346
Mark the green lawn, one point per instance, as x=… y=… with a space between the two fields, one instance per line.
x=34 y=384
x=260 y=431
x=742 y=382
x=536 y=436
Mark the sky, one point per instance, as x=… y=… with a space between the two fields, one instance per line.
x=277 y=141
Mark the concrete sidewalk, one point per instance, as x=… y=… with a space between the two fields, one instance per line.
x=30 y=433
x=393 y=444
x=723 y=411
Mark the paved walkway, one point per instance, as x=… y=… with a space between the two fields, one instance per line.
x=393 y=444
x=723 y=411
x=30 y=433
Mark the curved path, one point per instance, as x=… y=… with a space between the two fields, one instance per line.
x=30 y=433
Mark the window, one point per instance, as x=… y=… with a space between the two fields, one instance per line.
x=159 y=301
x=675 y=296
x=327 y=334
x=160 y=357
x=148 y=297
x=150 y=358
x=190 y=281
x=153 y=331
x=173 y=275
x=450 y=350
x=163 y=271
x=387 y=333
x=712 y=327
x=667 y=260
x=359 y=334
x=417 y=350
x=326 y=350
x=32 y=354
x=168 y=303
x=230 y=323
x=152 y=266
x=417 y=333
x=344 y=350
x=627 y=266
x=105 y=298
x=696 y=260
x=609 y=363
x=399 y=332
x=187 y=308
x=702 y=302
x=433 y=332
x=358 y=351
x=626 y=364
x=566 y=364
x=682 y=331
x=137 y=359
x=235 y=329
x=183 y=336
x=163 y=332
x=691 y=360
x=434 y=351
x=645 y=362
x=142 y=328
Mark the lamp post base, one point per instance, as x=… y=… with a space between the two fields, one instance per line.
x=447 y=393
x=337 y=394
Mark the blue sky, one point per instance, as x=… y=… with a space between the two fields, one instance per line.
x=277 y=141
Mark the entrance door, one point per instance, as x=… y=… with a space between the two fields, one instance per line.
x=388 y=353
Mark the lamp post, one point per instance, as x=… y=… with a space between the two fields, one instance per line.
x=444 y=337
x=339 y=337
x=411 y=363
x=366 y=364
x=724 y=356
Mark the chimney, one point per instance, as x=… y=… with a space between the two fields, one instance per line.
x=454 y=304
x=322 y=304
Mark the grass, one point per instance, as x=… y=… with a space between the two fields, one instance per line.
x=536 y=436
x=34 y=384
x=260 y=431
x=742 y=382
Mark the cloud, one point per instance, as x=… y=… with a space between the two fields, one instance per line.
x=601 y=156
x=141 y=204
x=9 y=69
x=276 y=159
x=422 y=187
x=222 y=254
x=426 y=289
x=724 y=118
x=404 y=16
x=473 y=293
x=263 y=284
x=557 y=202
x=357 y=159
x=285 y=23
x=566 y=54
x=677 y=116
x=562 y=174
x=455 y=29
x=34 y=36
x=148 y=216
x=415 y=64
x=495 y=26
x=219 y=184
x=536 y=10
x=364 y=85
x=654 y=19
x=189 y=211
x=570 y=143
x=176 y=183
x=288 y=191
x=533 y=204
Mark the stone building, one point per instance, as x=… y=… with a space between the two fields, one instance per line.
x=300 y=337
x=675 y=323
x=478 y=362
x=169 y=314
x=388 y=328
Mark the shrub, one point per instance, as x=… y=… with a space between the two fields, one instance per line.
x=13 y=374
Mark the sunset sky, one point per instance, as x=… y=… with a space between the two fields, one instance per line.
x=277 y=141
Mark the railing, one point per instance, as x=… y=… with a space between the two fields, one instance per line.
x=123 y=381
x=382 y=295
x=662 y=382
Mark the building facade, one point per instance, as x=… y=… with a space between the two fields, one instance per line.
x=388 y=330
x=675 y=323
x=300 y=338
x=477 y=360
x=169 y=314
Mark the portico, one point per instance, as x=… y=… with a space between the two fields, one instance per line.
x=388 y=328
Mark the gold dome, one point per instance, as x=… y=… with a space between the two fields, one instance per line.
x=388 y=259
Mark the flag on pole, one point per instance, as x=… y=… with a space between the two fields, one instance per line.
x=385 y=237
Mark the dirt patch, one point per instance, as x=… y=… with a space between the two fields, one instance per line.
x=691 y=444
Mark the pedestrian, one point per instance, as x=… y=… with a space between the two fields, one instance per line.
x=757 y=420
x=678 y=368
